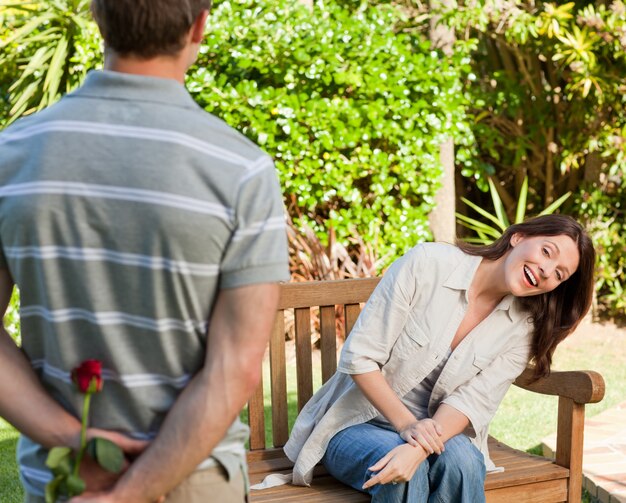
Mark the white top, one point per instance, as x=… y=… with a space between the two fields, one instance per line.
x=417 y=399
x=405 y=330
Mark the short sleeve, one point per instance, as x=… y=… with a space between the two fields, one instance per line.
x=379 y=325
x=257 y=251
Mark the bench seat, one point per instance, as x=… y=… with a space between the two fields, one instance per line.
x=526 y=479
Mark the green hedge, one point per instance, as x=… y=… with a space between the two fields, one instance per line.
x=352 y=111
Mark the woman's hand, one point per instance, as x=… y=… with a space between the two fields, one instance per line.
x=398 y=465
x=424 y=433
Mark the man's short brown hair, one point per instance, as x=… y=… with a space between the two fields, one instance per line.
x=146 y=28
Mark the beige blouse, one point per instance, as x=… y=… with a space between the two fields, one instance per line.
x=404 y=330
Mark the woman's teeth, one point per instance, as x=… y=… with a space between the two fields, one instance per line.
x=530 y=276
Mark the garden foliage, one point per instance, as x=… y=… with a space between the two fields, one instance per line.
x=352 y=110
x=602 y=207
x=46 y=50
x=547 y=96
x=547 y=92
x=351 y=107
x=352 y=102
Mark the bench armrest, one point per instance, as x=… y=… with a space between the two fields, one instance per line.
x=582 y=386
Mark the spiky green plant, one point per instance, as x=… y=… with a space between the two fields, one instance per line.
x=487 y=233
x=52 y=44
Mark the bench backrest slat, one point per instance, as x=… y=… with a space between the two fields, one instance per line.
x=326 y=293
x=328 y=341
x=256 y=419
x=352 y=312
x=301 y=298
x=278 y=383
x=304 y=364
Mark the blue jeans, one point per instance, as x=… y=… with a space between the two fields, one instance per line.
x=455 y=476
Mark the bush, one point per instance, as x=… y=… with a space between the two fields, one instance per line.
x=547 y=92
x=602 y=207
x=548 y=104
x=352 y=111
x=12 y=317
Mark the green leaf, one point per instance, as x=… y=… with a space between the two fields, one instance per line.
x=52 y=489
x=550 y=209
x=477 y=226
x=28 y=28
x=502 y=219
x=75 y=485
x=38 y=60
x=483 y=212
x=108 y=455
x=57 y=455
x=521 y=202
x=22 y=102
x=55 y=70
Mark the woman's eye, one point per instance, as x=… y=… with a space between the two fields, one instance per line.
x=546 y=252
x=559 y=276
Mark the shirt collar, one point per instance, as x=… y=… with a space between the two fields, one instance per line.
x=461 y=277
x=128 y=87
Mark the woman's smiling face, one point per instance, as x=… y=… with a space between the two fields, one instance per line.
x=538 y=264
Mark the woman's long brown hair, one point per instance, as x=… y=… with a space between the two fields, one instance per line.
x=557 y=313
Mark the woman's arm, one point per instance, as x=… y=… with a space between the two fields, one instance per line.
x=448 y=420
x=479 y=397
x=451 y=421
x=424 y=433
x=377 y=390
x=384 y=316
x=400 y=463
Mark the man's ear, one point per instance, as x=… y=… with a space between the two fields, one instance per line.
x=516 y=238
x=197 y=29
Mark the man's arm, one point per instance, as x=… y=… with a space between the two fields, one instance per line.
x=23 y=400
x=26 y=404
x=239 y=330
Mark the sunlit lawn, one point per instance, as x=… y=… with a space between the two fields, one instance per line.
x=524 y=418
x=10 y=488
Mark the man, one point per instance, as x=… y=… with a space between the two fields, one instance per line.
x=147 y=234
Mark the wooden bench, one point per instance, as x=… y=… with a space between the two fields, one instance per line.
x=526 y=479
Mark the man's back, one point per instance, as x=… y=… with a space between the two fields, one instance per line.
x=123 y=210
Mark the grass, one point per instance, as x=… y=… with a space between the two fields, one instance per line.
x=522 y=421
x=525 y=418
x=10 y=487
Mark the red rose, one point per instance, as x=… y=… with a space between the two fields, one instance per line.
x=88 y=376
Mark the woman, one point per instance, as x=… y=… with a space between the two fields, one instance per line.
x=443 y=336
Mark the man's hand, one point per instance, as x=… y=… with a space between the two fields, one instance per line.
x=425 y=433
x=94 y=497
x=203 y=412
x=398 y=465
x=130 y=446
x=102 y=497
x=95 y=477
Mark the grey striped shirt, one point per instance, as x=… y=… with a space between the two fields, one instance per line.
x=124 y=209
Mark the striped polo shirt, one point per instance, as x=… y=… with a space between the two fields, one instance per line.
x=124 y=209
